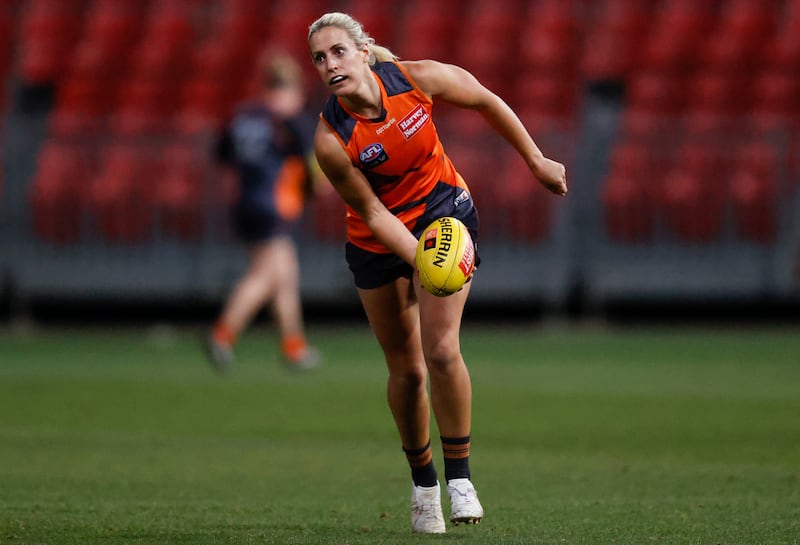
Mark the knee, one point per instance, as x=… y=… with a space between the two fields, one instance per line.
x=442 y=357
x=409 y=375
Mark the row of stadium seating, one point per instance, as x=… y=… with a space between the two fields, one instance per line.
x=133 y=71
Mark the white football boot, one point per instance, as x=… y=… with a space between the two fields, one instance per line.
x=426 y=510
x=464 y=504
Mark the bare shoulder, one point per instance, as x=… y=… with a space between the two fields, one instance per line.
x=448 y=82
x=329 y=152
x=434 y=77
x=324 y=139
x=421 y=66
x=424 y=72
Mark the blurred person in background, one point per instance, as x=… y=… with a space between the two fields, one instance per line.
x=270 y=144
x=377 y=144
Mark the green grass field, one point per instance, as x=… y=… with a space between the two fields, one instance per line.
x=579 y=437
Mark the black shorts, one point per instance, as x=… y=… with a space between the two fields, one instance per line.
x=254 y=225
x=372 y=270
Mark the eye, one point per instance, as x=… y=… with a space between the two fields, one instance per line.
x=318 y=58
x=339 y=51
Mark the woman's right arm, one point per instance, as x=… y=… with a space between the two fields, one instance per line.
x=354 y=188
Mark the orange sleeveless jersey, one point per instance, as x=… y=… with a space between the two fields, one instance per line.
x=400 y=153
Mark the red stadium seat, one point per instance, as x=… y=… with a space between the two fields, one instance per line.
x=656 y=92
x=549 y=53
x=427 y=30
x=695 y=192
x=165 y=48
x=678 y=28
x=776 y=100
x=630 y=18
x=204 y=104
x=640 y=161
x=81 y=106
x=48 y=31
x=113 y=26
x=541 y=121
x=718 y=93
x=749 y=21
x=607 y=57
x=7 y=42
x=628 y=211
x=707 y=159
x=494 y=28
x=561 y=19
x=122 y=193
x=180 y=195
x=740 y=36
x=143 y=106
x=327 y=215
x=639 y=122
x=240 y=31
x=221 y=59
x=781 y=52
x=93 y=60
x=290 y=30
x=690 y=212
x=157 y=59
x=58 y=188
x=523 y=205
x=549 y=94
x=754 y=192
x=378 y=20
x=613 y=37
x=632 y=189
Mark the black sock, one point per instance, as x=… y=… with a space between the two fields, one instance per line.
x=423 y=472
x=456 y=457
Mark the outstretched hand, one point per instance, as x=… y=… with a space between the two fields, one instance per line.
x=552 y=175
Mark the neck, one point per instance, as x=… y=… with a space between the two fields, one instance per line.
x=367 y=101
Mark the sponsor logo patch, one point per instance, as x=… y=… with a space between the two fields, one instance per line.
x=373 y=155
x=467 y=260
x=430 y=239
x=414 y=121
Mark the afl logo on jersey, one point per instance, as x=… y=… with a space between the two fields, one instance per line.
x=373 y=155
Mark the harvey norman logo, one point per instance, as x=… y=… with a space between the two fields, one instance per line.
x=414 y=121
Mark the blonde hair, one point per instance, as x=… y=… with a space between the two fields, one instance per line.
x=279 y=69
x=354 y=29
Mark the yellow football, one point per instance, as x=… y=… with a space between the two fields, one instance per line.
x=445 y=256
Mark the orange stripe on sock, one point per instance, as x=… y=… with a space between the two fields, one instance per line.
x=294 y=346
x=420 y=457
x=223 y=334
x=460 y=450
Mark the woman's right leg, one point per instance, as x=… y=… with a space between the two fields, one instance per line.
x=393 y=314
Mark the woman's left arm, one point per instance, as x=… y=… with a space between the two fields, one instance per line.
x=459 y=87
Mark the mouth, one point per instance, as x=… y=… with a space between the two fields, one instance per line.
x=336 y=79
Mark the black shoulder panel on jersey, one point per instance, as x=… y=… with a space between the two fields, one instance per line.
x=394 y=80
x=342 y=122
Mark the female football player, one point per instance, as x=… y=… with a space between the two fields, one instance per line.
x=269 y=142
x=377 y=144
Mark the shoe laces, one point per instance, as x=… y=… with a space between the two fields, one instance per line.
x=463 y=492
